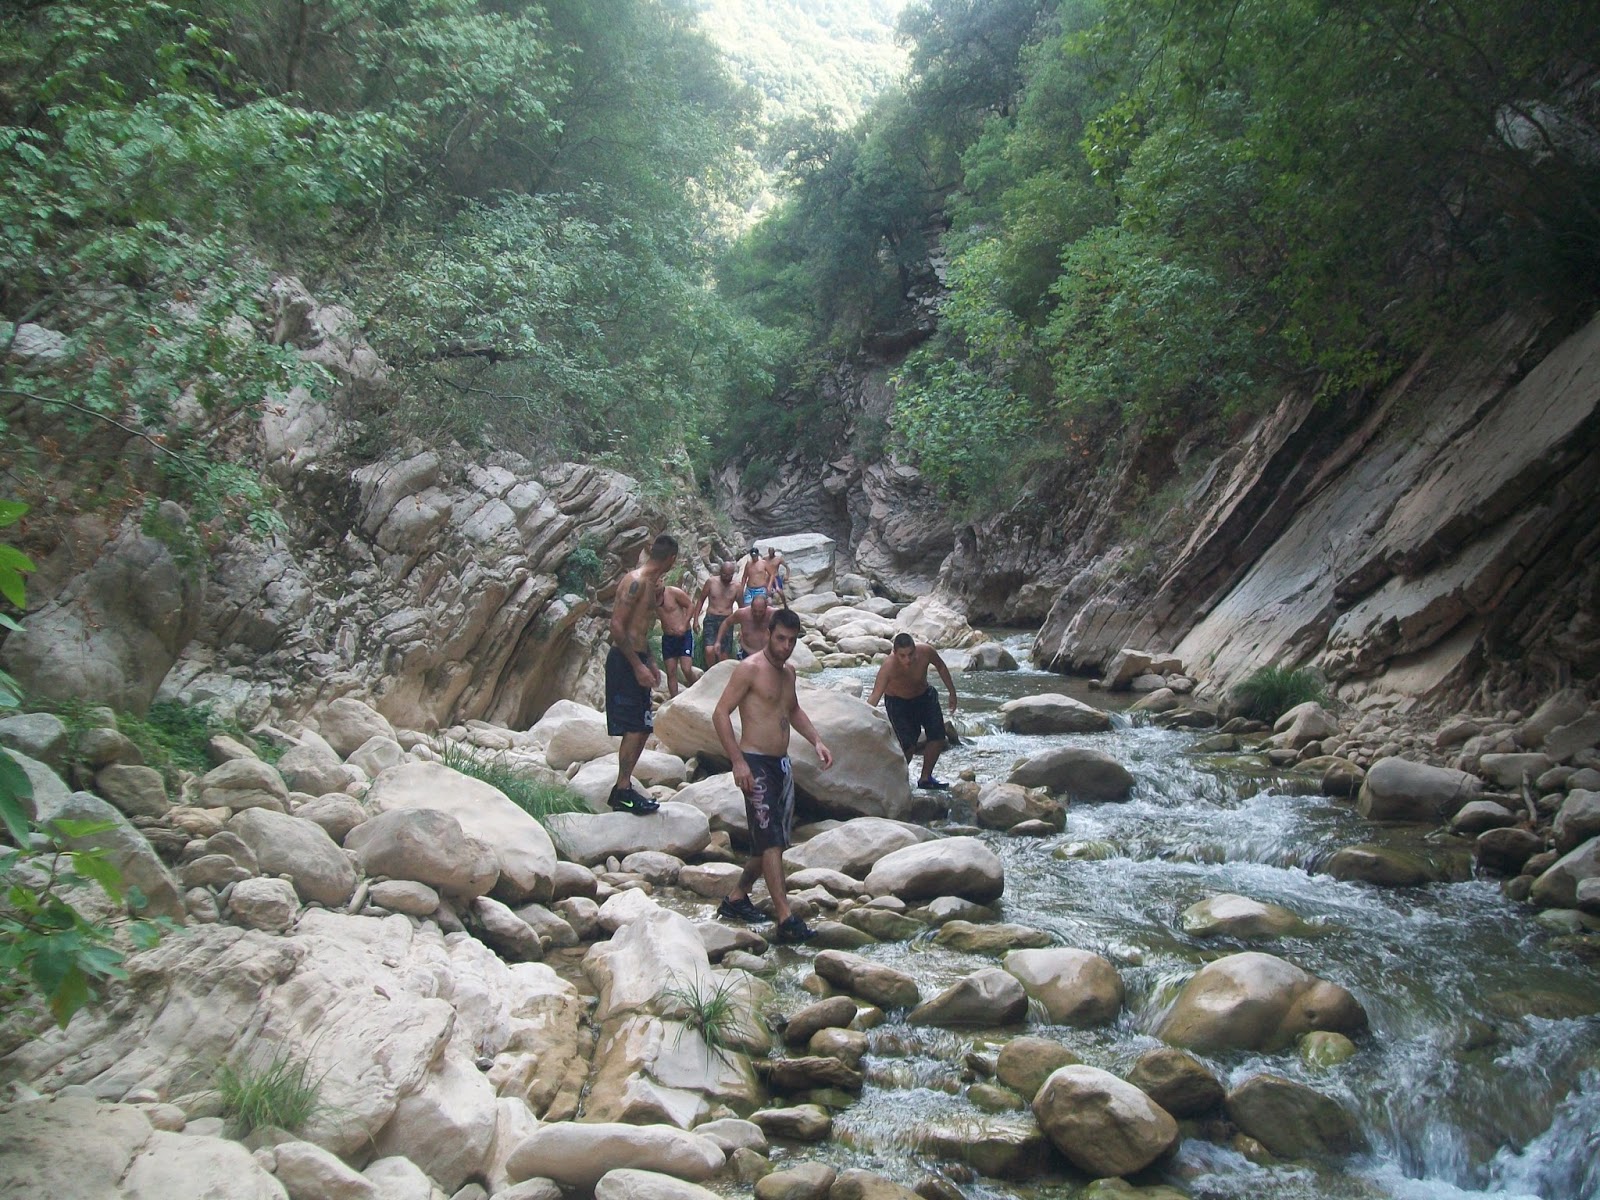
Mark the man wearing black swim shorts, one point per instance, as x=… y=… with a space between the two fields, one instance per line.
x=629 y=672
x=762 y=691
x=719 y=596
x=677 y=637
x=912 y=704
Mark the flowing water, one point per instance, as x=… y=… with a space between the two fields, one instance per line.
x=1480 y=1074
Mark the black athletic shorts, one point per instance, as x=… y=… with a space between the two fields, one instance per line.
x=677 y=645
x=712 y=627
x=913 y=717
x=627 y=704
x=769 y=808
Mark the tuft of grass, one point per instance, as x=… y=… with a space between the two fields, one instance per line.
x=535 y=796
x=171 y=738
x=281 y=1093
x=1272 y=691
x=713 y=1012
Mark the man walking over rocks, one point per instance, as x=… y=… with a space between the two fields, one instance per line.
x=758 y=576
x=677 y=637
x=750 y=622
x=762 y=691
x=719 y=596
x=630 y=675
x=911 y=703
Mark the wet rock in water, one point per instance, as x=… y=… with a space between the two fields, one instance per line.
x=1557 y=887
x=1076 y=987
x=807 y=1181
x=990 y=656
x=1026 y=1062
x=1255 y=1001
x=577 y=1154
x=1380 y=866
x=871 y=981
x=1233 y=916
x=807 y=1072
x=849 y=1046
x=1504 y=851
x=1577 y=820
x=953 y=908
x=1476 y=816
x=1396 y=789
x=993 y=1098
x=627 y=1183
x=836 y=882
x=836 y=935
x=1177 y=1081
x=996 y=938
x=1080 y=773
x=834 y=1012
x=1101 y=1124
x=1322 y=1050
x=1342 y=778
x=1158 y=700
x=1052 y=712
x=984 y=998
x=802 y=1123
x=954 y=866
x=852 y=847
x=857 y=1184
x=1001 y=1147
x=883 y=925
x=1292 y=1120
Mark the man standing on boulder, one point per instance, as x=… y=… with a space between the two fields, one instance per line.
x=629 y=672
x=762 y=690
x=677 y=638
x=910 y=701
x=751 y=623
x=757 y=578
x=719 y=595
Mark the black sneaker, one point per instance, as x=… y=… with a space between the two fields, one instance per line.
x=932 y=785
x=633 y=802
x=795 y=930
x=740 y=910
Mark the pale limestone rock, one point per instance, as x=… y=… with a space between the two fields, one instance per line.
x=266 y=904
x=1052 y=712
x=300 y=849
x=1240 y=917
x=123 y=845
x=589 y=838
x=1513 y=770
x=377 y=755
x=957 y=866
x=1563 y=708
x=243 y=783
x=511 y=937
x=308 y=1172
x=347 y=724
x=734 y=1133
x=1577 y=820
x=1398 y=790
x=1558 y=886
x=424 y=846
x=1102 y=1125
x=579 y=1154
x=1255 y=1001
x=179 y=1166
x=852 y=847
x=446 y=1126
x=136 y=791
x=873 y=982
x=933 y=619
x=629 y=1184
x=317 y=770
x=712 y=880
x=988 y=997
x=1006 y=805
x=514 y=1124
x=397 y=1178
x=522 y=849
x=1076 y=987
x=801 y=1123
x=1081 y=773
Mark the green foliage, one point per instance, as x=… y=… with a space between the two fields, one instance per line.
x=582 y=568
x=280 y=1093
x=535 y=796
x=712 y=1009
x=965 y=430
x=1266 y=694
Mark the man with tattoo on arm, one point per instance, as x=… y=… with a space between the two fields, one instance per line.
x=629 y=672
x=762 y=690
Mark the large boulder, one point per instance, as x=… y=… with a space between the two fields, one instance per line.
x=1255 y=1001
x=302 y=850
x=589 y=838
x=1080 y=773
x=1076 y=987
x=854 y=846
x=1396 y=789
x=347 y=724
x=1577 y=820
x=1052 y=712
x=956 y=866
x=522 y=849
x=868 y=777
x=1101 y=1124
x=575 y=734
x=242 y=783
x=1239 y=917
x=934 y=620
x=1558 y=886
x=989 y=997
x=874 y=982
x=1004 y=805
x=1292 y=1120
x=1177 y=1081
x=808 y=560
x=578 y=1155
x=425 y=846
x=723 y=804
x=122 y=845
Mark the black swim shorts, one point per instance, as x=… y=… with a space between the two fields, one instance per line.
x=769 y=808
x=913 y=717
x=627 y=703
x=677 y=645
x=713 y=626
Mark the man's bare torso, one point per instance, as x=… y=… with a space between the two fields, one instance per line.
x=675 y=609
x=764 y=709
x=721 y=597
x=758 y=573
x=635 y=587
x=752 y=630
x=908 y=681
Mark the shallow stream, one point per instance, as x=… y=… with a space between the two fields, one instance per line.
x=1480 y=1074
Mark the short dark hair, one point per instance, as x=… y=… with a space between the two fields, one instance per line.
x=784 y=618
x=902 y=640
x=664 y=547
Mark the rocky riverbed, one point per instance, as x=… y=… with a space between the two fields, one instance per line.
x=1128 y=959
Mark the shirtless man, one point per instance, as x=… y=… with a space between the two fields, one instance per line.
x=629 y=672
x=751 y=623
x=910 y=701
x=780 y=577
x=677 y=638
x=762 y=690
x=719 y=596
x=757 y=578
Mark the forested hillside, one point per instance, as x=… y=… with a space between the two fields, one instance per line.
x=1158 y=218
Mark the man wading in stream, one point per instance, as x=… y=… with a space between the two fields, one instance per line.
x=629 y=672
x=762 y=690
x=910 y=701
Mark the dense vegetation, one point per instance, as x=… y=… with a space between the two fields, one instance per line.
x=520 y=202
x=1157 y=218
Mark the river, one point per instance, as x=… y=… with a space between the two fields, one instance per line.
x=1480 y=1074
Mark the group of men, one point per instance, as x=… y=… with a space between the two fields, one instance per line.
x=761 y=690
